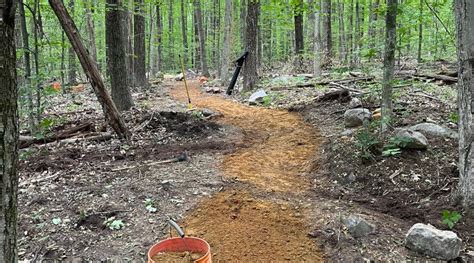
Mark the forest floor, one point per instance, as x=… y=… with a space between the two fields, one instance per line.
x=262 y=183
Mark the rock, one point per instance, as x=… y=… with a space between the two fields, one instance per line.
x=257 y=96
x=207 y=112
x=358 y=226
x=355 y=103
x=416 y=140
x=356 y=117
x=428 y=240
x=432 y=129
x=179 y=77
x=214 y=90
x=347 y=132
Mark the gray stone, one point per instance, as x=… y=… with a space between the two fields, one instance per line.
x=355 y=103
x=358 y=226
x=348 y=132
x=428 y=240
x=417 y=140
x=207 y=112
x=257 y=96
x=432 y=129
x=356 y=117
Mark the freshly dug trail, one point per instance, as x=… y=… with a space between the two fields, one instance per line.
x=280 y=147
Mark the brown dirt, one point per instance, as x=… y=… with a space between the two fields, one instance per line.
x=240 y=224
x=176 y=257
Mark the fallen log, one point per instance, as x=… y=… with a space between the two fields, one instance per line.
x=68 y=133
x=342 y=95
x=446 y=79
x=345 y=81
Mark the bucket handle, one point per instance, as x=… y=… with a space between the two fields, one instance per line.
x=178 y=229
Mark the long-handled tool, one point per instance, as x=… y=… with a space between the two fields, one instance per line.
x=190 y=105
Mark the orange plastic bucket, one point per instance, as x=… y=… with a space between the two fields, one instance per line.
x=177 y=244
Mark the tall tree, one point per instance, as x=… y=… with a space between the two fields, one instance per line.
x=72 y=67
x=184 y=30
x=342 y=33
x=227 y=41
x=317 y=43
x=159 y=39
x=139 y=61
x=299 y=39
x=327 y=29
x=389 y=61
x=27 y=63
x=420 y=32
x=202 y=40
x=90 y=29
x=8 y=136
x=250 y=68
x=110 y=110
x=115 y=24
x=465 y=37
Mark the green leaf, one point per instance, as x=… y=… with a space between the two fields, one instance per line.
x=56 y=221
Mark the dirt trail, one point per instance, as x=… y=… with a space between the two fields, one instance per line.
x=238 y=225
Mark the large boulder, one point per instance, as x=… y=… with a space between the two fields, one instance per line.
x=356 y=117
x=257 y=96
x=428 y=240
x=432 y=129
x=414 y=139
x=358 y=226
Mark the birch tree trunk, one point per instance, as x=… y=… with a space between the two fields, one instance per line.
x=465 y=36
x=8 y=137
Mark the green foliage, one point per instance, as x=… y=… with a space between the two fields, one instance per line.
x=365 y=143
x=454 y=117
x=394 y=146
x=450 y=218
x=197 y=114
x=57 y=221
x=267 y=101
x=114 y=224
x=149 y=204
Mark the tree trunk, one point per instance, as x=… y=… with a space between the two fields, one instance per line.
x=27 y=61
x=116 y=59
x=420 y=32
x=243 y=19
x=139 y=62
x=159 y=37
x=171 y=59
x=108 y=106
x=350 y=34
x=90 y=30
x=72 y=68
x=389 y=62
x=250 y=68
x=129 y=50
x=357 y=33
x=202 y=40
x=342 y=34
x=8 y=137
x=317 y=44
x=35 y=29
x=464 y=10
x=327 y=36
x=299 y=39
x=227 y=42
x=184 y=30
x=149 y=50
